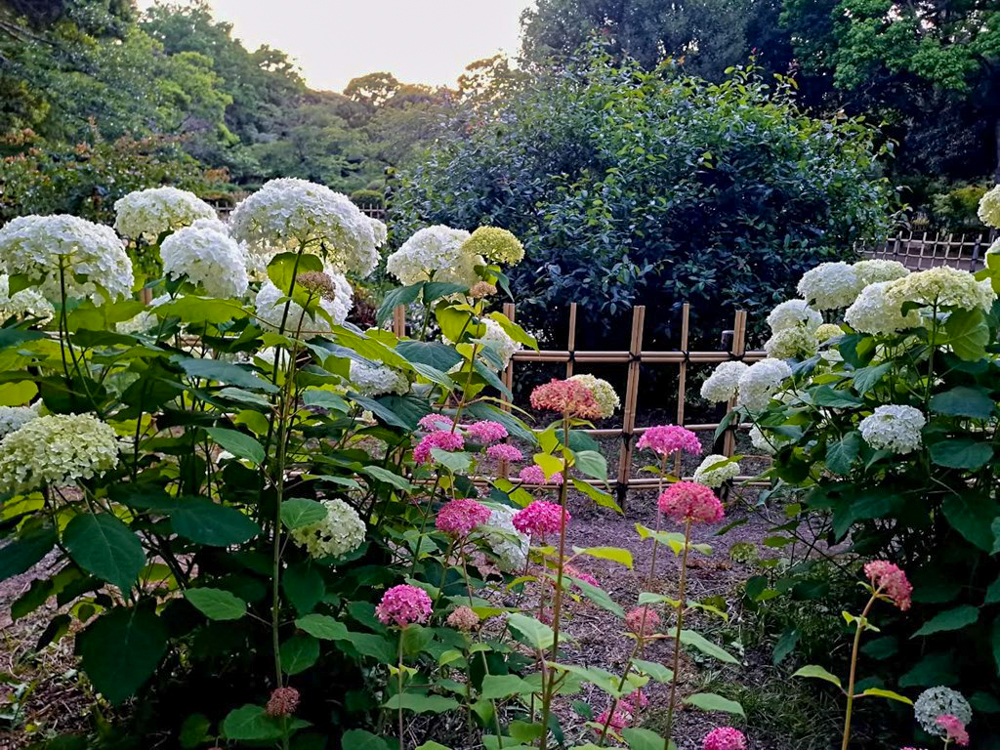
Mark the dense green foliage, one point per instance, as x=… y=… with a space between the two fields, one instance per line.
x=653 y=188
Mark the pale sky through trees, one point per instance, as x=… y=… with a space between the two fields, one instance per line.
x=418 y=41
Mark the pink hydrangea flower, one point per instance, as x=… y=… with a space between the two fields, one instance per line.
x=690 y=501
x=534 y=475
x=403 y=605
x=566 y=397
x=460 y=516
x=436 y=422
x=954 y=729
x=283 y=702
x=666 y=439
x=581 y=574
x=487 y=432
x=642 y=621
x=446 y=441
x=619 y=719
x=891 y=581
x=540 y=519
x=463 y=619
x=635 y=699
x=504 y=452
x=724 y=738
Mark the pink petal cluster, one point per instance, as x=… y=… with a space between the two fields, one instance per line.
x=402 y=605
x=463 y=619
x=436 y=422
x=443 y=439
x=283 y=702
x=666 y=439
x=581 y=574
x=566 y=397
x=636 y=698
x=724 y=738
x=460 y=516
x=954 y=729
x=690 y=501
x=642 y=621
x=541 y=518
x=504 y=452
x=619 y=719
x=534 y=475
x=890 y=580
x=487 y=432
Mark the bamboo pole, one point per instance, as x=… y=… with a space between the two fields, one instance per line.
x=399 y=321
x=571 y=339
x=631 y=396
x=682 y=379
x=737 y=351
x=508 y=374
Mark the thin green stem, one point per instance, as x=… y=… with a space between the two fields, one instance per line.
x=681 y=596
x=861 y=623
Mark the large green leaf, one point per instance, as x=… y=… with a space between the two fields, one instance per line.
x=298 y=653
x=971 y=515
x=963 y=401
x=225 y=372
x=304 y=586
x=432 y=353
x=205 y=522
x=592 y=463
x=615 y=554
x=961 y=453
x=968 y=333
x=817 y=673
x=421 y=704
x=25 y=550
x=238 y=443
x=656 y=671
x=537 y=633
x=866 y=378
x=323 y=627
x=401 y=295
x=104 y=546
x=840 y=454
x=388 y=477
x=121 y=649
x=301 y=511
x=715 y=702
x=216 y=604
x=952 y=619
x=645 y=739
x=359 y=739
x=251 y=723
x=698 y=641
x=500 y=686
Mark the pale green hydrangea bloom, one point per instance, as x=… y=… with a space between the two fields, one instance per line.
x=876 y=312
x=495 y=244
x=716 y=477
x=604 y=393
x=341 y=532
x=792 y=343
x=944 y=287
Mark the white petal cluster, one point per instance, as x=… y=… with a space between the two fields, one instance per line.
x=798 y=342
x=828 y=331
x=937 y=701
x=13 y=418
x=877 y=270
x=767 y=444
x=142 y=322
x=27 y=303
x=270 y=307
x=58 y=450
x=793 y=313
x=893 y=427
x=989 y=207
x=507 y=543
x=374 y=380
x=288 y=214
x=716 y=477
x=92 y=256
x=499 y=342
x=875 y=312
x=146 y=214
x=943 y=286
x=830 y=286
x=341 y=532
x=208 y=257
x=760 y=382
x=379 y=231
x=435 y=251
x=722 y=383
x=604 y=393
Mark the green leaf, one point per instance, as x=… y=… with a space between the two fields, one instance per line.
x=715 y=702
x=592 y=463
x=840 y=454
x=952 y=619
x=104 y=546
x=961 y=453
x=25 y=550
x=880 y=693
x=303 y=585
x=598 y=596
x=298 y=653
x=121 y=649
x=434 y=354
x=785 y=645
x=237 y=443
x=615 y=554
x=194 y=731
x=205 y=522
x=325 y=400
x=971 y=515
x=698 y=641
x=359 y=739
x=401 y=295
x=437 y=289
x=817 y=672
x=866 y=378
x=421 y=704
x=388 y=477
x=995 y=638
x=601 y=498
x=513 y=330
x=504 y=686
x=301 y=511
x=656 y=671
x=964 y=401
x=323 y=627
x=826 y=396
x=458 y=462
x=538 y=634
x=968 y=334
x=216 y=604
x=251 y=723
x=638 y=738
x=224 y=372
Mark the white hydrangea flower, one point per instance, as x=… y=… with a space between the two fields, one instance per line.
x=893 y=427
x=944 y=286
x=57 y=449
x=435 y=251
x=994 y=249
x=792 y=343
x=146 y=214
x=877 y=270
x=341 y=532
x=828 y=331
x=716 y=477
x=761 y=381
x=13 y=418
x=374 y=380
x=989 y=207
x=27 y=303
x=92 y=256
x=209 y=258
x=507 y=543
x=937 y=701
x=830 y=286
x=497 y=340
x=769 y=443
x=142 y=322
x=604 y=393
x=379 y=231
x=290 y=214
x=876 y=313
x=270 y=307
x=722 y=383
x=793 y=313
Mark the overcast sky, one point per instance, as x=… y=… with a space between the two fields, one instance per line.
x=418 y=41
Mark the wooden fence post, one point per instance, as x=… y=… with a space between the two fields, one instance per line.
x=737 y=351
x=631 y=396
x=508 y=380
x=682 y=380
x=571 y=339
x=399 y=321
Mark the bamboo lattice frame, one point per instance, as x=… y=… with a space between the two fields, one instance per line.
x=921 y=250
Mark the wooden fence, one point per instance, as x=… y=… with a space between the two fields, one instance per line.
x=632 y=359
x=922 y=250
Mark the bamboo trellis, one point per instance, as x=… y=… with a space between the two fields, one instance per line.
x=633 y=358
x=922 y=250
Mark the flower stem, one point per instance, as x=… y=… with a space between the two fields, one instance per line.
x=681 y=595
x=399 y=694
x=854 y=664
